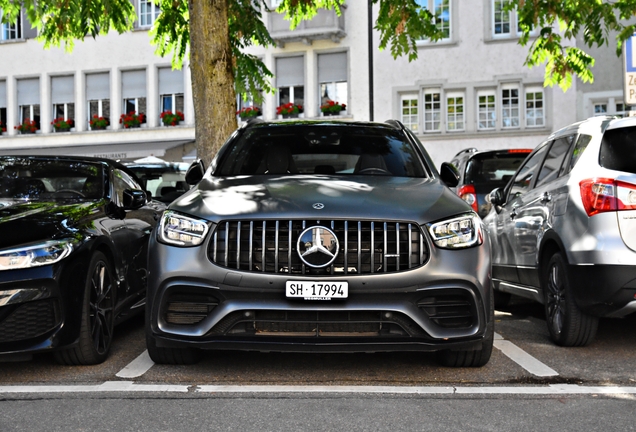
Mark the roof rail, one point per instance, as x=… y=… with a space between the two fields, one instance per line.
x=395 y=123
x=251 y=121
x=467 y=150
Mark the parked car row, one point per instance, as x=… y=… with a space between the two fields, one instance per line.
x=321 y=236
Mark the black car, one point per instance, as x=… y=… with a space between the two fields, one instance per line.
x=320 y=236
x=73 y=254
x=482 y=171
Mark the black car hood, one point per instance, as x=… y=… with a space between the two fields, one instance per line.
x=25 y=222
x=291 y=197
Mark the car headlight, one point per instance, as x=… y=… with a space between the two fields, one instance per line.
x=460 y=232
x=180 y=230
x=35 y=255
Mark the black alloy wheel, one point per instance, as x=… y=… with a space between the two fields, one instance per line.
x=567 y=324
x=96 y=332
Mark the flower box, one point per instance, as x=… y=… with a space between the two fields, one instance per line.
x=170 y=119
x=289 y=109
x=332 y=108
x=98 y=123
x=132 y=120
x=62 y=125
x=249 y=112
x=27 y=127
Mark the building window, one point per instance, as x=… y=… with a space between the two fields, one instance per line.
x=487 y=110
x=98 y=98
x=501 y=19
x=63 y=97
x=11 y=31
x=510 y=106
x=600 y=109
x=505 y=24
x=442 y=11
x=29 y=100
x=432 y=110
x=171 y=90
x=410 y=112
x=290 y=80
x=332 y=78
x=148 y=13
x=455 y=111
x=535 y=114
x=3 y=106
x=134 y=92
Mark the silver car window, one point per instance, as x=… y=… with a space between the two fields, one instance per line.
x=524 y=178
x=551 y=168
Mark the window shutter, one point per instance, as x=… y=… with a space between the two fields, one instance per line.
x=290 y=71
x=133 y=84
x=29 y=91
x=332 y=67
x=98 y=86
x=170 y=81
x=62 y=89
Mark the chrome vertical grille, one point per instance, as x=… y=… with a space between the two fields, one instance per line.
x=366 y=247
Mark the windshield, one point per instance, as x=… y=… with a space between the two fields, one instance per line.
x=40 y=179
x=336 y=150
x=164 y=182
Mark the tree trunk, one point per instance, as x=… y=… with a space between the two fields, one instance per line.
x=213 y=91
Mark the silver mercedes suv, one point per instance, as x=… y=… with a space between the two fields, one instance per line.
x=563 y=229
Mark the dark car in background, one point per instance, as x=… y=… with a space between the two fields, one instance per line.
x=564 y=229
x=73 y=255
x=164 y=181
x=320 y=236
x=482 y=171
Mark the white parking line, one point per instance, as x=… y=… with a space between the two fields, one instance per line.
x=522 y=358
x=137 y=367
x=143 y=363
x=128 y=386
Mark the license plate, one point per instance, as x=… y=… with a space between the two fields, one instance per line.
x=316 y=290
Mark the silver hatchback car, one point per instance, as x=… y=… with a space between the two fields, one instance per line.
x=563 y=229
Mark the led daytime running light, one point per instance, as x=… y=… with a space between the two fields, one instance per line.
x=457 y=233
x=180 y=230
x=35 y=255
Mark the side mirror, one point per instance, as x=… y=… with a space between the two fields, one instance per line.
x=134 y=199
x=449 y=174
x=497 y=198
x=195 y=172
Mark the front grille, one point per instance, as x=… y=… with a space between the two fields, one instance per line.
x=455 y=309
x=28 y=320
x=366 y=247
x=317 y=324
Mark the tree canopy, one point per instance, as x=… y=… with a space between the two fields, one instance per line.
x=215 y=33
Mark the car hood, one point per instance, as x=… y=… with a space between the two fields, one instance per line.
x=314 y=196
x=25 y=222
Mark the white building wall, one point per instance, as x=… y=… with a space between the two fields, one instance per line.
x=470 y=61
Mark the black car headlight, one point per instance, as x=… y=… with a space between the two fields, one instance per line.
x=180 y=230
x=35 y=255
x=457 y=233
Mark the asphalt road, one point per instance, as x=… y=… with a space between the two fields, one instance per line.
x=529 y=384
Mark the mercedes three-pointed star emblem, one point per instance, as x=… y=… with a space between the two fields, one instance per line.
x=317 y=246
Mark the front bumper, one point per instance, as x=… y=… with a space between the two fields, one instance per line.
x=440 y=305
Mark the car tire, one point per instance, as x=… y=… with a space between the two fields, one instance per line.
x=567 y=324
x=473 y=358
x=169 y=356
x=97 y=319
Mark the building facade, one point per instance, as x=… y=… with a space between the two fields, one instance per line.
x=471 y=89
